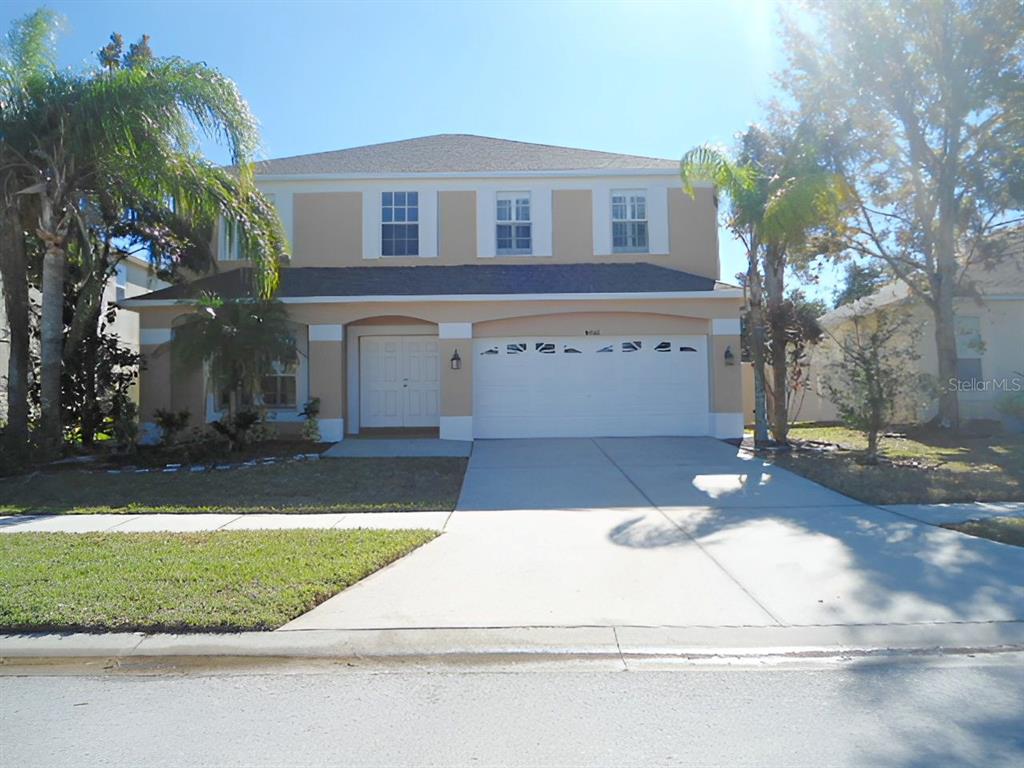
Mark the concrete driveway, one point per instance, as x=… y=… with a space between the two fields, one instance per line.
x=673 y=532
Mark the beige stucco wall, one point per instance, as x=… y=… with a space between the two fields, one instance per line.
x=572 y=229
x=580 y=323
x=456 y=235
x=724 y=381
x=328 y=229
x=456 y=386
x=327 y=376
x=693 y=233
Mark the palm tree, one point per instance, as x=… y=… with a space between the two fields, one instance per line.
x=239 y=342
x=123 y=138
x=26 y=58
x=778 y=195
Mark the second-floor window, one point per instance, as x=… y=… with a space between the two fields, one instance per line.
x=514 y=230
x=400 y=229
x=629 y=221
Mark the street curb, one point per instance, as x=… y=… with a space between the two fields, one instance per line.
x=621 y=643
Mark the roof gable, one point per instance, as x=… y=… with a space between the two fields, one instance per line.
x=457 y=153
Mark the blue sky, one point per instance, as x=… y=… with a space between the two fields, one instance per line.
x=648 y=78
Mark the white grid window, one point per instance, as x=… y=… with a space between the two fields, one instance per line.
x=629 y=221
x=514 y=230
x=400 y=229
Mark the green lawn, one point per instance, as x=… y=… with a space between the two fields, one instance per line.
x=175 y=582
x=1008 y=530
x=328 y=485
x=927 y=468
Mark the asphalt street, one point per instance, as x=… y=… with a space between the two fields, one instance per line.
x=930 y=711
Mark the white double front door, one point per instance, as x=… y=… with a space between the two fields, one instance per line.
x=399 y=381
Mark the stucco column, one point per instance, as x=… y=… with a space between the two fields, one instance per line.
x=155 y=381
x=327 y=378
x=456 y=419
x=725 y=379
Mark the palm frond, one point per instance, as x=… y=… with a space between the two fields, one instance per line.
x=709 y=164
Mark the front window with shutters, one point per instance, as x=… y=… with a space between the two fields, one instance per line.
x=400 y=228
x=514 y=230
x=629 y=221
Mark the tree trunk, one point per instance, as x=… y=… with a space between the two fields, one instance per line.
x=14 y=276
x=756 y=316
x=90 y=408
x=774 y=290
x=945 y=344
x=51 y=330
x=872 y=454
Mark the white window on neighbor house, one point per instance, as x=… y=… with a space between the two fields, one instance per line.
x=399 y=228
x=120 y=281
x=514 y=230
x=629 y=221
x=970 y=348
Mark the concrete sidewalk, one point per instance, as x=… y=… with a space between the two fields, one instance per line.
x=189 y=523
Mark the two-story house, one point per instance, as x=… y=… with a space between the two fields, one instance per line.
x=487 y=288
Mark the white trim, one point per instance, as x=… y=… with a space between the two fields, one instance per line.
x=725 y=326
x=353 y=333
x=726 y=425
x=456 y=428
x=455 y=330
x=330 y=332
x=154 y=337
x=582 y=173
x=332 y=430
x=724 y=293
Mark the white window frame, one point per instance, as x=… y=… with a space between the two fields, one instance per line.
x=228 y=249
x=120 y=281
x=513 y=199
x=281 y=413
x=631 y=219
x=406 y=222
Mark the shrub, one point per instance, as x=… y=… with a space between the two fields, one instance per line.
x=311 y=427
x=874 y=375
x=170 y=424
x=1012 y=404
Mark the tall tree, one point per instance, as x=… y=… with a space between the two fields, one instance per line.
x=923 y=103
x=27 y=58
x=778 y=195
x=120 y=141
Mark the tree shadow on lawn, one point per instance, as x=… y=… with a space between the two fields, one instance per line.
x=327 y=485
x=833 y=564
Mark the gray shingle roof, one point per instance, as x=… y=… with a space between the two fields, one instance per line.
x=455 y=153
x=492 y=279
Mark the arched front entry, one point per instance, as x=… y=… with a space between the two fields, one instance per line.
x=394 y=374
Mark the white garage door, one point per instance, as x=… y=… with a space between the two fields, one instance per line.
x=590 y=386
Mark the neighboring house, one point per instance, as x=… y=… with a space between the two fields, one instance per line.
x=989 y=327
x=486 y=288
x=134 y=277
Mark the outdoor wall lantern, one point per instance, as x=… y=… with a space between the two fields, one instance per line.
x=730 y=358
x=456 y=361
